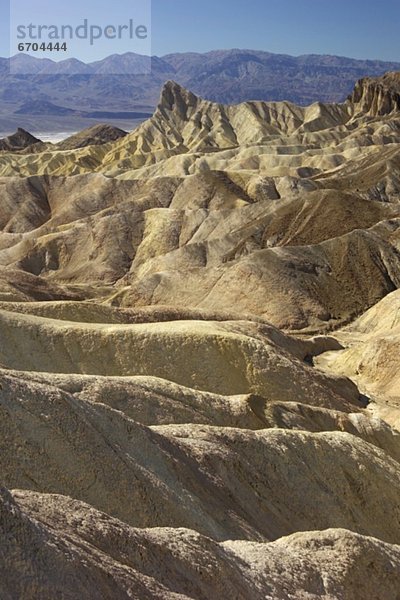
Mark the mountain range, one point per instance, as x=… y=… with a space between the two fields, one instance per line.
x=107 y=87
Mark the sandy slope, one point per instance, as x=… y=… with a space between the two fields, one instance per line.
x=99 y=557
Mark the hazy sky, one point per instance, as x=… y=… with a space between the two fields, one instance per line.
x=355 y=28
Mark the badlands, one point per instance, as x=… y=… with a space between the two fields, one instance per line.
x=199 y=354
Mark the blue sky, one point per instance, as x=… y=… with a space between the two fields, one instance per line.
x=355 y=28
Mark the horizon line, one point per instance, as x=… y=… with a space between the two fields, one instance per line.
x=151 y=56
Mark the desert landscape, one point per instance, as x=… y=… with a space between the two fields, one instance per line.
x=199 y=352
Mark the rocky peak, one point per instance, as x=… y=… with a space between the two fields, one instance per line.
x=93 y=136
x=19 y=140
x=377 y=96
x=176 y=98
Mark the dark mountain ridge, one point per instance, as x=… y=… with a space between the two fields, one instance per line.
x=226 y=76
x=19 y=140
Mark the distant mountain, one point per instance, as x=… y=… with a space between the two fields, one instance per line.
x=226 y=76
x=71 y=66
x=233 y=76
x=40 y=107
x=21 y=63
x=43 y=107
x=122 y=64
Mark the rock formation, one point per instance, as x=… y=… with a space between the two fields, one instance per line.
x=20 y=140
x=93 y=136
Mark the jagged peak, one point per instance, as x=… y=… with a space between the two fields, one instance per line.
x=377 y=96
x=19 y=140
x=23 y=133
x=176 y=97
